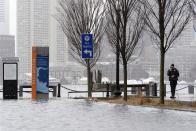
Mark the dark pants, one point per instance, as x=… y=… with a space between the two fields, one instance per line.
x=173 y=87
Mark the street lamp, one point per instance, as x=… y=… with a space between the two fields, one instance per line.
x=117 y=92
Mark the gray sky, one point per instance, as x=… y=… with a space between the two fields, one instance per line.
x=12 y=17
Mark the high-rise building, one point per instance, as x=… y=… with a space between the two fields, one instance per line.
x=187 y=36
x=58 y=42
x=7 y=42
x=7 y=49
x=4 y=17
x=36 y=25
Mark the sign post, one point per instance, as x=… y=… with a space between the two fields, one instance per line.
x=40 y=72
x=87 y=46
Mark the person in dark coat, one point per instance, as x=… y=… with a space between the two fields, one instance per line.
x=173 y=74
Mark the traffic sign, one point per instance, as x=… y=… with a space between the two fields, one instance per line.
x=87 y=46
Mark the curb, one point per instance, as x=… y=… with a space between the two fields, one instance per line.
x=156 y=107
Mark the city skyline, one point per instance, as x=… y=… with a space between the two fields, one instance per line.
x=185 y=40
x=37 y=26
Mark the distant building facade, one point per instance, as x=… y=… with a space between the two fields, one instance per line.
x=36 y=25
x=71 y=73
x=7 y=42
x=4 y=17
x=7 y=49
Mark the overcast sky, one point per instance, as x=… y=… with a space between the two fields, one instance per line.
x=12 y=17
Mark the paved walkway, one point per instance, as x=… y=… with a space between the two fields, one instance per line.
x=180 y=97
x=182 y=93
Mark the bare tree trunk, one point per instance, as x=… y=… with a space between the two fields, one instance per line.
x=124 y=58
x=89 y=79
x=162 y=50
x=117 y=92
x=162 y=65
x=125 y=80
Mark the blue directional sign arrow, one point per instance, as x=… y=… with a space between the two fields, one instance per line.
x=87 y=46
x=88 y=52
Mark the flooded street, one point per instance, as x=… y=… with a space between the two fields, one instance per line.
x=62 y=114
x=66 y=51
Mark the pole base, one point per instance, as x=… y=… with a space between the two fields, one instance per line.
x=117 y=93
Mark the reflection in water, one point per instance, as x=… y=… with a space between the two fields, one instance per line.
x=82 y=115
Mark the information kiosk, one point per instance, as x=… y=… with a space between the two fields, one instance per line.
x=40 y=72
x=10 y=77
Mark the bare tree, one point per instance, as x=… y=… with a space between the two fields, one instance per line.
x=131 y=27
x=193 y=4
x=193 y=8
x=77 y=17
x=166 y=20
x=113 y=34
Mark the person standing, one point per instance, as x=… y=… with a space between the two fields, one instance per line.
x=173 y=74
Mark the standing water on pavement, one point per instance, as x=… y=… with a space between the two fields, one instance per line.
x=62 y=114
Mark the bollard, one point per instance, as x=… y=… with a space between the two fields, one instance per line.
x=153 y=88
x=147 y=90
x=54 y=91
x=133 y=90
x=59 y=90
x=107 y=90
x=20 y=91
x=113 y=87
x=191 y=89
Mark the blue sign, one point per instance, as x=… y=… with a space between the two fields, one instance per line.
x=42 y=74
x=87 y=46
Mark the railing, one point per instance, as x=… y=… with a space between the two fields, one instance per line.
x=109 y=88
x=150 y=90
x=56 y=90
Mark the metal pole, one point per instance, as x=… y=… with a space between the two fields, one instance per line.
x=20 y=91
x=59 y=90
x=54 y=91
x=107 y=90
